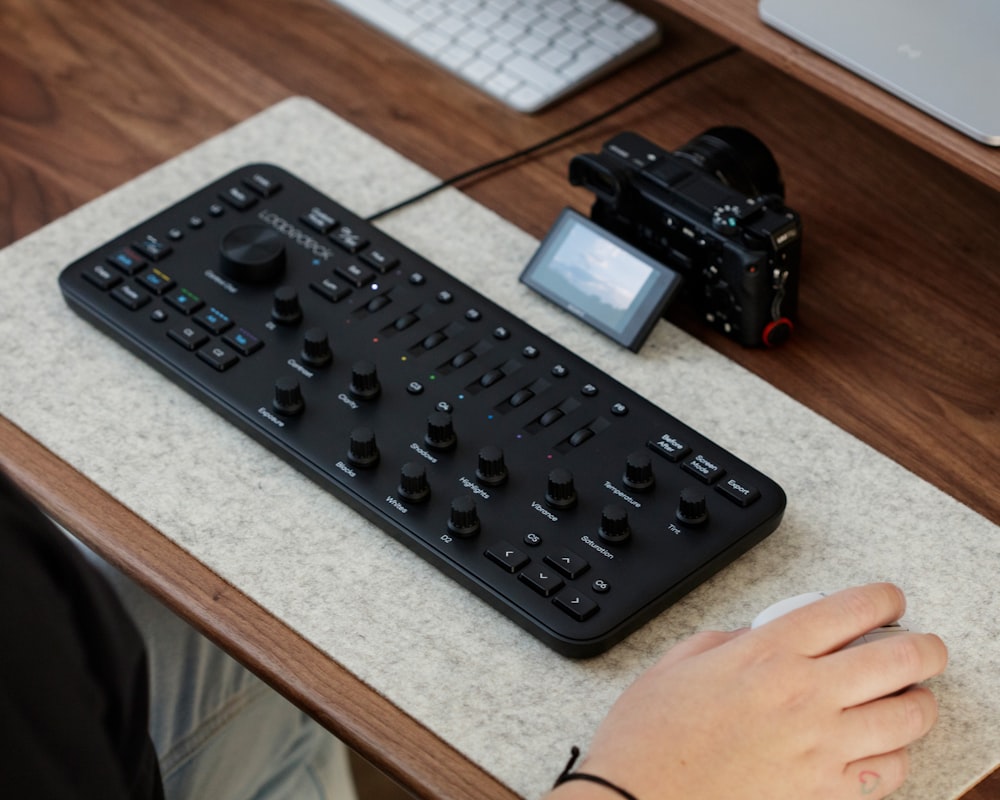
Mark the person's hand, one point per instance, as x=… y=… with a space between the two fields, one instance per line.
x=778 y=712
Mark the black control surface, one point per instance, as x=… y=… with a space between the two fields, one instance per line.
x=561 y=497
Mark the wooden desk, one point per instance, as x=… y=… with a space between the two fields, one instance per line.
x=897 y=342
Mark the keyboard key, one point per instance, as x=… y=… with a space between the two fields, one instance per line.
x=526 y=53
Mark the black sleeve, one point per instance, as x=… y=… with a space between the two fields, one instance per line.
x=73 y=680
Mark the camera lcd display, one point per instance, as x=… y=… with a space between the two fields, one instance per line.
x=608 y=283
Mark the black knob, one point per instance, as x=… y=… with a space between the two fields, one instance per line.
x=413 y=485
x=365 y=384
x=253 y=254
x=614 y=523
x=440 y=431
x=286 y=308
x=463 y=520
x=692 y=509
x=638 y=472
x=362 y=450
x=491 y=470
x=316 y=350
x=288 y=398
x=560 y=493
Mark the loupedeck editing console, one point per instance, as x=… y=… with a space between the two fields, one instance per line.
x=561 y=497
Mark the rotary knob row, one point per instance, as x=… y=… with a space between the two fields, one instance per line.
x=288 y=397
x=363 y=451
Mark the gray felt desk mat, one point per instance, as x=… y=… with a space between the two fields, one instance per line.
x=475 y=679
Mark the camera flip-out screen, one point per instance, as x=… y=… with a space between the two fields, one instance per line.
x=602 y=279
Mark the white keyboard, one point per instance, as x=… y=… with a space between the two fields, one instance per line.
x=526 y=53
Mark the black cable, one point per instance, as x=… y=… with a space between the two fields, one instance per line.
x=499 y=162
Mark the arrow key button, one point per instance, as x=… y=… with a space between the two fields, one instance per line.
x=543 y=580
x=577 y=605
x=507 y=556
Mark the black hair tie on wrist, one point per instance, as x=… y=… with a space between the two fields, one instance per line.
x=566 y=775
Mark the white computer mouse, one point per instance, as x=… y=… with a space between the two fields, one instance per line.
x=783 y=607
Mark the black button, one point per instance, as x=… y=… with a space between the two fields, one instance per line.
x=348 y=239
x=218 y=357
x=577 y=605
x=188 y=337
x=152 y=248
x=330 y=289
x=130 y=296
x=580 y=436
x=244 y=341
x=588 y=390
x=670 y=448
x=444 y=296
x=214 y=321
x=238 y=198
x=355 y=273
x=601 y=586
x=507 y=556
x=739 y=492
x=532 y=539
x=415 y=387
x=175 y=234
x=619 y=409
x=560 y=370
x=102 y=277
x=473 y=315
x=377 y=303
x=706 y=471
x=216 y=210
x=319 y=220
x=184 y=301
x=195 y=222
x=262 y=185
x=417 y=279
x=500 y=332
x=383 y=262
x=568 y=563
x=127 y=260
x=157 y=282
x=543 y=580
x=530 y=351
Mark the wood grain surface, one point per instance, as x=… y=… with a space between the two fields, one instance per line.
x=897 y=339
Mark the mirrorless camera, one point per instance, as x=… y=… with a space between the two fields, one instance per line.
x=714 y=212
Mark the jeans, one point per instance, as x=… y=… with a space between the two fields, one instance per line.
x=219 y=731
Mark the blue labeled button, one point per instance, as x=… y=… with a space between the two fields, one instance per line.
x=214 y=321
x=244 y=341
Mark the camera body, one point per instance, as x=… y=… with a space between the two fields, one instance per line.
x=714 y=212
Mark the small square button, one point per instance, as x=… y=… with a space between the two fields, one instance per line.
x=101 y=277
x=130 y=296
x=543 y=580
x=188 y=337
x=185 y=301
x=214 y=321
x=568 y=563
x=507 y=556
x=127 y=260
x=244 y=341
x=577 y=605
x=218 y=357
